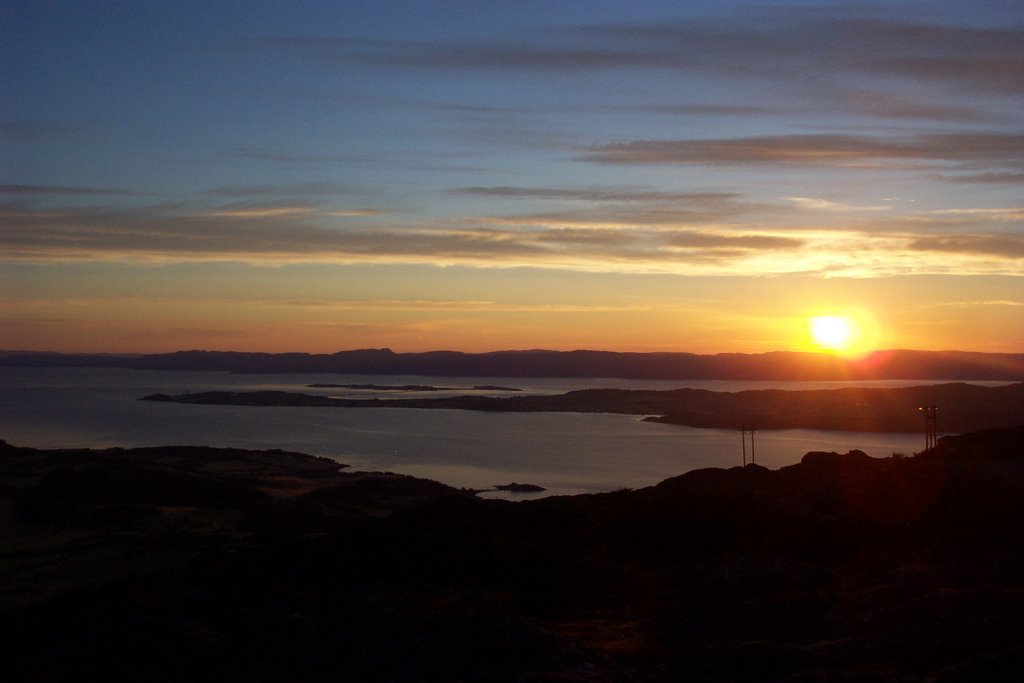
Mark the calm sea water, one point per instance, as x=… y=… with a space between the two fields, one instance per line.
x=567 y=453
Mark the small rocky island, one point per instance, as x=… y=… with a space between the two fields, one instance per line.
x=520 y=488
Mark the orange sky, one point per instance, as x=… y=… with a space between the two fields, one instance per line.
x=698 y=177
x=214 y=306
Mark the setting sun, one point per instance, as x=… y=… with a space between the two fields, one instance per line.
x=832 y=332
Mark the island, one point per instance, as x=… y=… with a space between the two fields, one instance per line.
x=191 y=563
x=520 y=488
x=962 y=407
x=407 y=387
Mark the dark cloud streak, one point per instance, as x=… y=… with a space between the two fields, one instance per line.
x=789 y=46
x=65 y=190
x=815 y=150
x=985 y=178
x=298 y=189
x=164 y=233
x=611 y=194
x=1003 y=246
x=260 y=154
x=756 y=242
x=92 y=233
x=618 y=206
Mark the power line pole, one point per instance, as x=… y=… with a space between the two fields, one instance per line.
x=743 y=437
x=930 y=429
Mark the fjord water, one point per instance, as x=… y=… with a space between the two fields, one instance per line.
x=566 y=453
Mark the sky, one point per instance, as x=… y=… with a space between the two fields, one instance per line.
x=476 y=176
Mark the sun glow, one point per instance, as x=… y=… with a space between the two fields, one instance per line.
x=836 y=333
x=850 y=331
x=831 y=331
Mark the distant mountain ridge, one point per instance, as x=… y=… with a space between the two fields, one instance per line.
x=779 y=365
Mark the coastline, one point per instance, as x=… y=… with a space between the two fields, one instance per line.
x=964 y=407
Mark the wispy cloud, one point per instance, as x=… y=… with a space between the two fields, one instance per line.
x=13 y=306
x=282 y=156
x=1003 y=246
x=817 y=150
x=984 y=178
x=612 y=206
x=977 y=220
x=262 y=212
x=819 y=204
x=281 y=211
x=725 y=44
x=839 y=99
x=299 y=158
x=293 y=190
x=591 y=194
x=301 y=233
x=742 y=242
x=460 y=305
x=484 y=55
x=695 y=109
x=984 y=302
x=64 y=190
x=801 y=45
x=801 y=48
x=159 y=234
x=902 y=106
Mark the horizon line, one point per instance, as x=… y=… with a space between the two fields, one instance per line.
x=808 y=352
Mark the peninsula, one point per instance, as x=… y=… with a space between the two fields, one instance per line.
x=963 y=407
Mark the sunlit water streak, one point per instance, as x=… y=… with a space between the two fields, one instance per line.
x=567 y=453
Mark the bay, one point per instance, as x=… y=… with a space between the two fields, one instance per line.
x=567 y=453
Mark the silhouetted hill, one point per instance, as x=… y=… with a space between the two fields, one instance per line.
x=898 y=364
x=220 y=564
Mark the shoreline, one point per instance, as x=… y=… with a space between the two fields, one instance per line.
x=964 y=407
x=840 y=567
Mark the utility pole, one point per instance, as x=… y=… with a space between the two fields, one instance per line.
x=930 y=429
x=743 y=436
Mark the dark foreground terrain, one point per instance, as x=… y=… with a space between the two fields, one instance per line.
x=219 y=564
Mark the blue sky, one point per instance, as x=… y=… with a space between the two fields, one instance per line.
x=328 y=175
